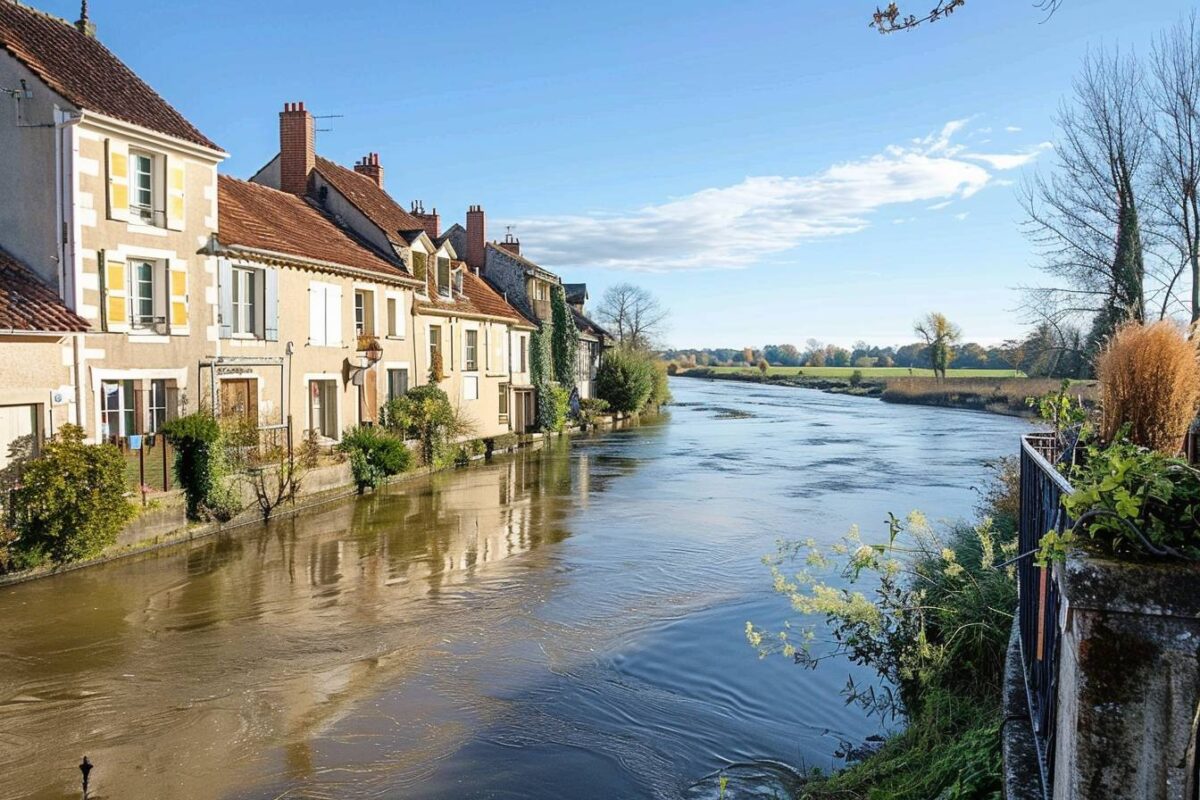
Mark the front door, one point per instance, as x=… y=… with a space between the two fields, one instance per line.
x=239 y=398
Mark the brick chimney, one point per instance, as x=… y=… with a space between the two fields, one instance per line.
x=431 y=221
x=297 y=154
x=511 y=243
x=476 y=237
x=369 y=166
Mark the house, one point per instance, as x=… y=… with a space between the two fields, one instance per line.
x=455 y=319
x=39 y=337
x=118 y=194
x=314 y=325
x=593 y=339
x=529 y=286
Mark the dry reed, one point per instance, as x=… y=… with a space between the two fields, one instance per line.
x=1149 y=380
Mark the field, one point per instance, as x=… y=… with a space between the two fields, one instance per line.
x=871 y=372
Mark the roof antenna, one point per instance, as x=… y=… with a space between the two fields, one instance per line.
x=83 y=24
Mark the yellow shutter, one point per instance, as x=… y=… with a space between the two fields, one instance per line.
x=115 y=296
x=175 y=193
x=117 y=156
x=178 y=301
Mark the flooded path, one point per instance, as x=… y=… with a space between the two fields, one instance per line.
x=564 y=623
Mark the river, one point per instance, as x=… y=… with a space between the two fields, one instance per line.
x=560 y=623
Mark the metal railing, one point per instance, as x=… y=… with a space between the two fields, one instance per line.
x=1042 y=490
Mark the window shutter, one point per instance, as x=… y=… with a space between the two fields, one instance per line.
x=316 y=313
x=177 y=288
x=333 y=316
x=225 y=299
x=175 y=192
x=271 y=304
x=116 y=296
x=117 y=156
x=514 y=363
x=401 y=316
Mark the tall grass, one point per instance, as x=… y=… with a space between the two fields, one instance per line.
x=1149 y=380
x=985 y=394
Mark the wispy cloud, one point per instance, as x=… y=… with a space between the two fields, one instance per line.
x=1012 y=129
x=736 y=226
x=962 y=216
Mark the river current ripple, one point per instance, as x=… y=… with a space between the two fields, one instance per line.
x=562 y=623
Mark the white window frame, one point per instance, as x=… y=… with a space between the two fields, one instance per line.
x=364 y=311
x=470 y=351
x=126 y=406
x=153 y=213
x=429 y=345
x=156 y=404
x=245 y=303
x=470 y=384
x=158 y=295
x=309 y=382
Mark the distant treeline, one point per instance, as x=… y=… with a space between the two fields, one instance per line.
x=1041 y=353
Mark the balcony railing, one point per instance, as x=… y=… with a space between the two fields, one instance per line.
x=1042 y=490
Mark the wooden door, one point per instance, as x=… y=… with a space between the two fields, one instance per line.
x=239 y=398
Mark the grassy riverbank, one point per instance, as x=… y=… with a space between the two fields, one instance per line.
x=976 y=390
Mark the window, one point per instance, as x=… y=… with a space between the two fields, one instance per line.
x=443 y=276
x=397 y=382
x=524 y=354
x=364 y=313
x=391 y=317
x=143 y=185
x=470 y=350
x=419 y=262
x=245 y=292
x=322 y=408
x=435 y=343
x=324 y=314
x=157 y=407
x=470 y=387
x=117 y=409
x=503 y=402
x=147 y=297
x=458 y=279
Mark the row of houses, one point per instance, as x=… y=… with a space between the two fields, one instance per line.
x=138 y=282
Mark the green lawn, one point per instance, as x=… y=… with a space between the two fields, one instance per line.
x=873 y=372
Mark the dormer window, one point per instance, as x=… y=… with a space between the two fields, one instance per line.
x=443 y=276
x=458 y=280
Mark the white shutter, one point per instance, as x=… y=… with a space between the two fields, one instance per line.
x=400 y=314
x=316 y=313
x=333 y=316
x=514 y=352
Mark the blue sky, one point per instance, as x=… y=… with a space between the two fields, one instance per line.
x=773 y=171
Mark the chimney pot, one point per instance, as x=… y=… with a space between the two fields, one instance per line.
x=369 y=165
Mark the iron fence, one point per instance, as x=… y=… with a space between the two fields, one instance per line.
x=1042 y=490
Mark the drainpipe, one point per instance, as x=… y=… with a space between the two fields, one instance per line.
x=64 y=122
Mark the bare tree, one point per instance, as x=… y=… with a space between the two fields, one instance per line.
x=1084 y=216
x=633 y=315
x=1175 y=95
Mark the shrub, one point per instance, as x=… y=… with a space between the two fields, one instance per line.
x=196 y=439
x=672 y=368
x=425 y=413
x=625 y=380
x=763 y=366
x=660 y=395
x=856 y=378
x=590 y=408
x=375 y=455
x=71 y=502
x=553 y=406
x=1149 y=381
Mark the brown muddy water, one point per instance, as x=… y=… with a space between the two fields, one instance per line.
x=557 y=624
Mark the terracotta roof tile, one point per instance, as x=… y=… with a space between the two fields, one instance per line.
x=256 y=216
x=86 y=73
x=27 y=304
x=477 y=299
x=372 y=201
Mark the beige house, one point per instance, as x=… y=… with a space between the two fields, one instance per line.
x=118 y=195
x=454 y=317
x=38 y=335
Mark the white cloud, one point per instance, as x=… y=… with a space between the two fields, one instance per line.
x=736 y=226
x=1013 y=129
x=962 y=216
x=940 y=206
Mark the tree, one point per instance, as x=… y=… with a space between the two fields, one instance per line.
x=564 y=341
x=940 y=335
x=1084 y=217
x=891 y=19
x=625 y=379
x=1175 y=96
x=633 y=315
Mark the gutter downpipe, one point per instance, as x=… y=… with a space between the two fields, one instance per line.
x=64 y=121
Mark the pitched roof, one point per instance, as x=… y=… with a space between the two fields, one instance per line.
x=376 y=204
x=259 y=217
x=477 y=299
x=493 y=247
x=27 y=304
x=576 y=292
x=86 y=73
x=585 y=325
